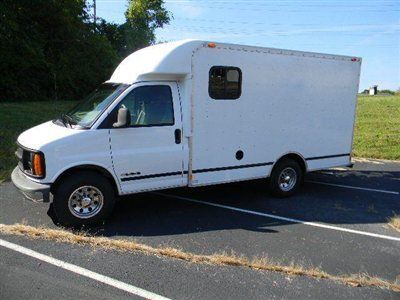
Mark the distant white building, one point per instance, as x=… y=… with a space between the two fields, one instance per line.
x=373 y=90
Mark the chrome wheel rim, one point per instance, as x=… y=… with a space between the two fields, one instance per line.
x=287 y=179
x=85 y=202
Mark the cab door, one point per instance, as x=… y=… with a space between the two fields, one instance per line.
x=149 y=154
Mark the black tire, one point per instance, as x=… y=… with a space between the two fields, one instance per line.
x=288 y=165
x=70 y=186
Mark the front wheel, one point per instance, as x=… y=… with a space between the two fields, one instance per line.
x=286 y=178
x=83 y=198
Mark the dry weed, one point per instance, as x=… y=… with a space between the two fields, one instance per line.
x=222 y=259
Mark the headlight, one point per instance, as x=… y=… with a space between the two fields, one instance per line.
x=31 y=162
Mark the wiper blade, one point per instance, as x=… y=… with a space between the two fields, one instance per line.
x=66 y=120
x=62 y=119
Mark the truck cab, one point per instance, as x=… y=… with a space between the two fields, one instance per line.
x=129 y=135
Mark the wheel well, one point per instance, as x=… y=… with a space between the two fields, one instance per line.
x=297 y=158
x=92 y=168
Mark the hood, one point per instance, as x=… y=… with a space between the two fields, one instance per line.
x=41 y=135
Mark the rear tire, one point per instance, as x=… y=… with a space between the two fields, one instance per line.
x=286 y=178
x=84 y=198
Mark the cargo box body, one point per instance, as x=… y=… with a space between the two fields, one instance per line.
x=290 y=102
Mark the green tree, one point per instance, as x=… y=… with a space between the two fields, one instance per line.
x=49 y=49
x=143 y=18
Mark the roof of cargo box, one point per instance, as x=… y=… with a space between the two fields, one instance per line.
x=172 y=58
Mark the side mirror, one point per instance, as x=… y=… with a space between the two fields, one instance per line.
x=123 y=118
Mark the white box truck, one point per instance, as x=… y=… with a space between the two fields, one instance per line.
x=193 y=113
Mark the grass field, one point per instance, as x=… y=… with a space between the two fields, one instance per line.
x=377 y=127
x=377 y=133
x=17 y=117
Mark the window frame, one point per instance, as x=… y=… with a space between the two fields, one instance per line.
x=227 y=68
x=113 y=114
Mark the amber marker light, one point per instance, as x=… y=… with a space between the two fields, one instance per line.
x=38 y=164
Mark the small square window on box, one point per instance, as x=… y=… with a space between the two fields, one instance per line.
x=225 y=83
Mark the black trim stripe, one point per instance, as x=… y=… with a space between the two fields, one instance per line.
x=232 y=167
x=153 y=176
x=222 y=168
x=196 y=171
x=327 y=156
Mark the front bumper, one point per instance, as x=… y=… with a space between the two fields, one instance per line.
x=34 y=191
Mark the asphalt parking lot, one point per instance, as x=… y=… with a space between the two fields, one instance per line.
x=338 y=222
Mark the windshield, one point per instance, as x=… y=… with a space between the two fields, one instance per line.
x=88 y=110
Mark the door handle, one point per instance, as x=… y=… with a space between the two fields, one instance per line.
x=178 y=136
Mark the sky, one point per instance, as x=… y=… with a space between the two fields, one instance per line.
x=364 y=28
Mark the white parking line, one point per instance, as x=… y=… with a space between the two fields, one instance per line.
x=354 y=187
x=320 y=225
x=83 y=272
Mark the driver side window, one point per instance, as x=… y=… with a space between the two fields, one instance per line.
x=150 y=106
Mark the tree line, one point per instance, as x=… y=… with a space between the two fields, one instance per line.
x=55 y=49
